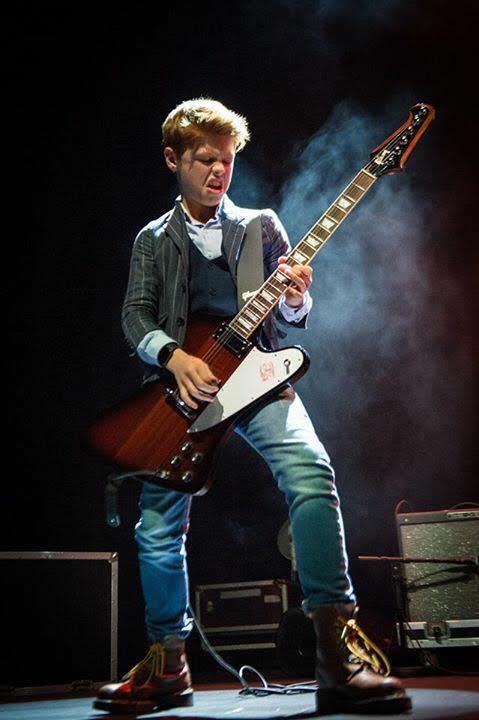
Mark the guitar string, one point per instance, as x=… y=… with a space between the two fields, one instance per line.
x=212 y=352
x=289 y=260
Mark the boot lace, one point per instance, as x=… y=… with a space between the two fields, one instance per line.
x=152 y=665
x=363 y=649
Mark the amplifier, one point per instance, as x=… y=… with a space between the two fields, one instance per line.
x=445 y=634
x=244 y=614
x=62 y=612
x=440 y=596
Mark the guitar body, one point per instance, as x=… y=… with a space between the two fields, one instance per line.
x=154 y=431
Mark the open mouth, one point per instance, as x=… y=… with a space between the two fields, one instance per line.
x=213 y=185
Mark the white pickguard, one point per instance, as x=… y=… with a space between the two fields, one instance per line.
x=259 y=373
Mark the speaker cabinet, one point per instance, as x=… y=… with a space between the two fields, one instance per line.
x=59 y=615
x=441 y=599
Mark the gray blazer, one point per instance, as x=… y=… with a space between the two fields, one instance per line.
x=157 y=292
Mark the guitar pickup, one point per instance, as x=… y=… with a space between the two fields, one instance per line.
x=233 y=342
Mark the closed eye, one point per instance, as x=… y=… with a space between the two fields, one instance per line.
x=211 y=160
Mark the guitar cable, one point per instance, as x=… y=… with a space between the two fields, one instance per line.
x=112 y=516
x=112 y=487
x=247 y=689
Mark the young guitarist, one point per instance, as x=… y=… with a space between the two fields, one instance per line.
x=184 y=264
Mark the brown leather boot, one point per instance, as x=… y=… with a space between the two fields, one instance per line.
x=351 y=671
x=161 y=680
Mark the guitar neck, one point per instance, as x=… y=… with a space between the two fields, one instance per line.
x=264 y=300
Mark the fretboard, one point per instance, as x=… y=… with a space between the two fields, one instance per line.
x=263 y=301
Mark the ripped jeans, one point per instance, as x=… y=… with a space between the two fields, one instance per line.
x=282 y=433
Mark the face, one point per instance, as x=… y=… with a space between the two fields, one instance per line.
x=204 y=173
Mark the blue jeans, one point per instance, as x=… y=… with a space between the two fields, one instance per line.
x=282 y=433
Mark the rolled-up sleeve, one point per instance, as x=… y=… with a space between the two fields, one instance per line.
x=276 y=244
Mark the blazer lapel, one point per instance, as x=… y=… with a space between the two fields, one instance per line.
x=176 y=230
x=245 y=261
x=233 y=224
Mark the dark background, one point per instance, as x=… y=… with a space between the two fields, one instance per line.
x=393 y=379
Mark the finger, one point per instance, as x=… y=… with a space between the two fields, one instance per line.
x=189 y=391
x=303 y=271
x=208 y=375
x=194 y=391
x=201 y=389
x=294 y=295
x=306 y=272
x=298 y=282
x=211 y=379
x=301 y=277
x=186 y=397
x=203 y=396
x=209 y=389
x=206 y=384
x=292 y=271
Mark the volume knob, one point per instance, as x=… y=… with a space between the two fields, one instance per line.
x=175 y=461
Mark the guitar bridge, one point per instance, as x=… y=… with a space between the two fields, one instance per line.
x=173 y=399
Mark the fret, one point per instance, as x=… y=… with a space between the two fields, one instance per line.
x=367 y=178
x=267 y=295
x=363 y=189
x=326 y=223
x=258 y=306
x=281 y=277
x=320 y=233
x=345 y=203
x=300 y=257
x=251 y=314
x=262 y=308
x=238 y=330
x=315 y=236
x=352 y=201
x=355 y=192
x=336 y=213
x=276 y=289
x=249 y=326
x=306 y=250
x=312 y=242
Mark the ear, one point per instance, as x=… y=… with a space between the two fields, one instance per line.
x=170 y=158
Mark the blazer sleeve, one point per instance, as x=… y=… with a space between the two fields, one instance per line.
x=140 y=307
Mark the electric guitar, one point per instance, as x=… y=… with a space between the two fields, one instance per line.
x=157 y=437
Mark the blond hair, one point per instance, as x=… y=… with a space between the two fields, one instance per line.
x=193 y=119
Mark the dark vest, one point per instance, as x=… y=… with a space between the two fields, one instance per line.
x=212 y=290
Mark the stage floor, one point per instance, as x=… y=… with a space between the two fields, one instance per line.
x=436 y=698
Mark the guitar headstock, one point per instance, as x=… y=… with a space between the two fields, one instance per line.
x=394 y=152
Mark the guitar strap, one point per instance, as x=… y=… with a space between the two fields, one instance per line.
x=250 y=271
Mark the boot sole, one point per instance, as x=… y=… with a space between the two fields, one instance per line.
x=332 y=703
x=144 y=706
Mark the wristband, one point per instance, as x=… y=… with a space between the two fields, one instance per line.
x=166 y=352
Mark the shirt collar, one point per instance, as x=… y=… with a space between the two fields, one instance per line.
x=217 y=217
